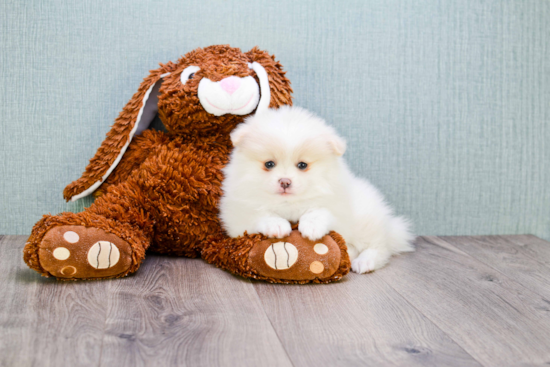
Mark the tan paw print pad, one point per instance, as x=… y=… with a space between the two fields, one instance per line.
x=281 y=255
x=295 y=257
x=82 y=252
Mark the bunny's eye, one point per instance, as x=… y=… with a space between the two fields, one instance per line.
x=188 y=73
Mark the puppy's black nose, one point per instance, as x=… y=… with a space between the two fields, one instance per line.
x=285 y=183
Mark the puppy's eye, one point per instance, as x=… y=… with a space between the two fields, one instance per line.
x=191 y=76
x=302 y=165
x=269 y=165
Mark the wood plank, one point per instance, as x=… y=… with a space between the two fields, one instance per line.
x=509 y=258
x=495 y=319
x=184 y=312
x=532 y=246
x=358 y=321
x=43 y=321
x=456 y=301
x=16 y=290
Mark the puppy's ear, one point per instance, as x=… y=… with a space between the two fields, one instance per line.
x=238 y=134
x=279 y=85
x=135 y=117
x=337 y=144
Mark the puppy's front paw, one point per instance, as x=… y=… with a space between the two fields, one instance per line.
x=274 y=227
x=312 y=231
x=315 y=224
x=369 y=260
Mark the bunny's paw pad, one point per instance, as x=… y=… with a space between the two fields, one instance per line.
x=78 y=252
x=295 y=257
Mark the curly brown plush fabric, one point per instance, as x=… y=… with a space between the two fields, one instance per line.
x=163 y=194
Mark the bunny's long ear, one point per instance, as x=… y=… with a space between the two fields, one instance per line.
x=272 y=78
x=135 y=117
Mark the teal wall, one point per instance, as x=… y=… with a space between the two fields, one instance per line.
x=446 y=104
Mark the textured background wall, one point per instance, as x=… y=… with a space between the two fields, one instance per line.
x=446 y=104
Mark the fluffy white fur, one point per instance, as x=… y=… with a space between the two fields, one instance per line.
x=323 y=197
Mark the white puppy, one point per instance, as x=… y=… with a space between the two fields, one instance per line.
x=287 y=166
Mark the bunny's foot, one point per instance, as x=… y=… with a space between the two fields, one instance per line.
x=84 y=246
x=293 y=259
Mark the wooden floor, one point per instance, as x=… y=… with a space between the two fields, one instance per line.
x=457 y=301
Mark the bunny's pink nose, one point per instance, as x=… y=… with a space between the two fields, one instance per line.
x=231 y=84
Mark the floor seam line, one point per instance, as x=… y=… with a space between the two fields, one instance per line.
x=271 y=323
x=433 y=322
x=104 y=328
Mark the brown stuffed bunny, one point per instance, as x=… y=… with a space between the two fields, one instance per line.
x=159 y=191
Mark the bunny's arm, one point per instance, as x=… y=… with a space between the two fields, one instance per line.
x=139 y=150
